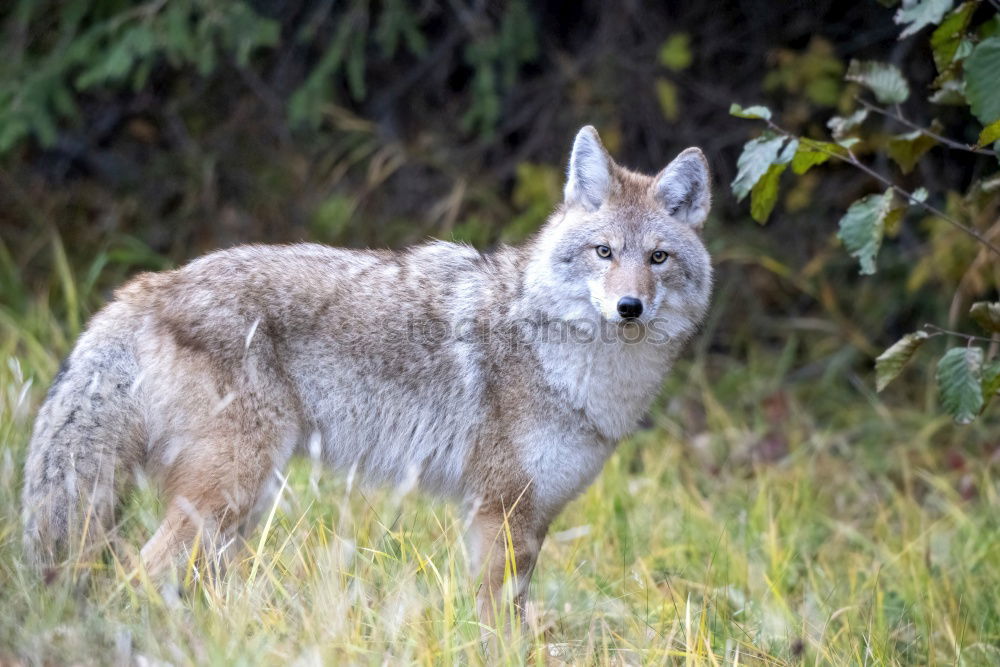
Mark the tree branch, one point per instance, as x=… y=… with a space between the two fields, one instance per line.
x=951 y=143
x=851 y=159
x=935 y=330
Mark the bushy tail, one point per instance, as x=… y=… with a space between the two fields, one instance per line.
x=86 y=441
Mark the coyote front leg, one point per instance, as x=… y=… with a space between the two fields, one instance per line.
x=505 y=540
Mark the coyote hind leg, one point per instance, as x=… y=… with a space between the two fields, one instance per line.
x=213 y=494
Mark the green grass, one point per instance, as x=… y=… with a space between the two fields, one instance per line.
x=759 y=520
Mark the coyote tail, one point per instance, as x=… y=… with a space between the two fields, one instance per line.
x=85 y=444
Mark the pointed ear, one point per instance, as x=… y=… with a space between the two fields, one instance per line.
x=684 y=188
x=589 y=178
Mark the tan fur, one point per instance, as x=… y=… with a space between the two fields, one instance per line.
x=503 y=380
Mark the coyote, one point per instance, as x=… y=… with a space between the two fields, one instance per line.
x=500 y=379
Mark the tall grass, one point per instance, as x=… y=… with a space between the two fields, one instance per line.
x=755 y=521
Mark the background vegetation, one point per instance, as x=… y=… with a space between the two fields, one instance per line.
x=775 y=509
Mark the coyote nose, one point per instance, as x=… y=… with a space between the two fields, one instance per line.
x=629 y=307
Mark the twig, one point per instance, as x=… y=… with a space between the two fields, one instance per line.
x=951 y=143
x=851 y=159
x=935 y=330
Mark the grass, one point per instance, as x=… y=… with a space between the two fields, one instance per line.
x=758 y=520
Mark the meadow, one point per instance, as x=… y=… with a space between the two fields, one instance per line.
x=764 y=515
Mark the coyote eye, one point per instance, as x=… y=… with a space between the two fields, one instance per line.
x=603 y=251
x=659 y=257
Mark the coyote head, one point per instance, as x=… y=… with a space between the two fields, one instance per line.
x=625 y=246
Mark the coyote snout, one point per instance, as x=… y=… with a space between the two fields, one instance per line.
x=629 y=307
x=210 y=377
x=625 y=288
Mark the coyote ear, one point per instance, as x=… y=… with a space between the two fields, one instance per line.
x=589 y=178
x=683 y=188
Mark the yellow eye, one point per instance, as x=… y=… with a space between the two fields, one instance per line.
x=659 y=257
x=603 y=251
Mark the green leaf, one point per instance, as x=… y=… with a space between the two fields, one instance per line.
x=757 y=111
x=907 y=149
x=841 y=125
x=919 y=195
x=765 y=193
x=666 y=95
x=959 y=380
x=758 y=155
x=989 y=134
x=12 y=130
x=354 y=67
x=965 y=46
x=988 y=185
x=964 y=50
x=986 y=315
x=332 y=217
x=916 y=15
x=945 y=39
x=883 y=79
x=862 y=228
x=982 y=72
x=991 y=379
x=892 y=220
x=889 y=364
x=950 y=93
x=811 y=153
x=675 y=54
x=398 y=20
x=788 y=152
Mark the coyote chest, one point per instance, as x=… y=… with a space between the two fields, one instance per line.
x=612 y=382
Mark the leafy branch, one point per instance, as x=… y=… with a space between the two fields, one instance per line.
x=847 y=156
x=967 y=58
x=934 y=330
x=899 y=118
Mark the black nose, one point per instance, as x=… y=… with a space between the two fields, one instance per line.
x=629 y=307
